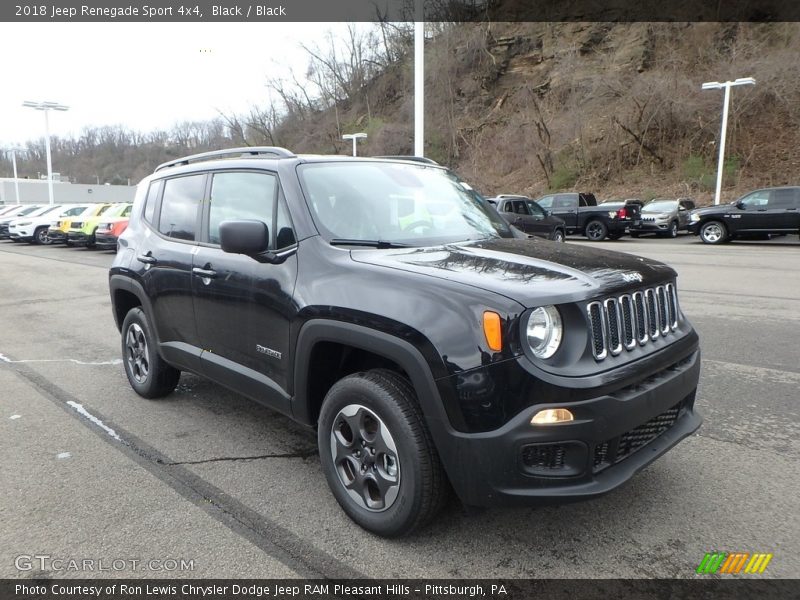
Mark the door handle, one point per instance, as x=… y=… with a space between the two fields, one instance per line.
x=147 y=259
x=204 y=273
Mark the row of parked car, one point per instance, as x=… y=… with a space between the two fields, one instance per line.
x=90 y=225
x=761 y=213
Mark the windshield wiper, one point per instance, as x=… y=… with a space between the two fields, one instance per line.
x=380 y=244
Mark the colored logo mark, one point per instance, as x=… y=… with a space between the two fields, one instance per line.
x=733 y=563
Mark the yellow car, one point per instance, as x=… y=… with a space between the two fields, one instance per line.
x=81 y=233
x=57 y=232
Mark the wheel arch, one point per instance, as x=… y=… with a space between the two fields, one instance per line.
x=394 y=351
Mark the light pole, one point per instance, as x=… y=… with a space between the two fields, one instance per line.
x=355 y=137
x=46 y=107
x=13 y=151
x=419 y=81
x=716 y=85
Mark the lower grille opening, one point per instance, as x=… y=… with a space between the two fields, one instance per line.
x=549 y=456
x=619 y=448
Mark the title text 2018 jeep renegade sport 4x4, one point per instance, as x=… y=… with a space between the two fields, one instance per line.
x=428 y=343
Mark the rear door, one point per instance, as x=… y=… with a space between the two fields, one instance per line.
x=164 y=263
x=782 y=209
x=566 y=207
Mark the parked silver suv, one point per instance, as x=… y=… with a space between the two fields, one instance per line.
x=664 y=217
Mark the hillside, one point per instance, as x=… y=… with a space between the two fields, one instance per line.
x=513 y=107
x=616 y=108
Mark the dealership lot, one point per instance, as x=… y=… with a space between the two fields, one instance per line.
x=209 y=477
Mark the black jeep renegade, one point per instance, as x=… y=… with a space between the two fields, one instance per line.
x=388 y=306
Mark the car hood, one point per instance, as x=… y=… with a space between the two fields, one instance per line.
x=530 y=272
x=720 y=209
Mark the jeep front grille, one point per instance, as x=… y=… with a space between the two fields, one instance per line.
x=622 y=322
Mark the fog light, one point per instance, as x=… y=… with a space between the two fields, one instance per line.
x=552 y=415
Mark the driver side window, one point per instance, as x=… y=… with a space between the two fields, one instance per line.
x=755 y=200
x=536 y=211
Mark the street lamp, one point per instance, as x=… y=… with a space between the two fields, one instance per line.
x=716 y=85
x=46 y=107
x=355 y=137
x=13 y=150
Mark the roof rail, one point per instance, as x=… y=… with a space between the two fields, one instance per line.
x=419 y=159
x=246 y=152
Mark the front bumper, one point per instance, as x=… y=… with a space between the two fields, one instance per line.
x=78 y=238
x=651 y=227
x=56 y=236
x=693 y=228
x=614 y=435
x=105 y=241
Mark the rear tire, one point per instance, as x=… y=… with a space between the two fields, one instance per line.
x=377 y=453
x=149 y=375
x=596 y=231
x=713 y=232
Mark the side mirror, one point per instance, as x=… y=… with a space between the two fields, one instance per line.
x=548 y=213
x=741 y=205
x=247 y=237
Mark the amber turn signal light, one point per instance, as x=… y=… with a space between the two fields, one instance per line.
x=491 y=329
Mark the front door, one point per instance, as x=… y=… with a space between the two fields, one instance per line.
x=750 y=213
x=243 y=307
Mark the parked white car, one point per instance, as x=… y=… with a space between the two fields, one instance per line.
x=22 y=211
x=33 y=227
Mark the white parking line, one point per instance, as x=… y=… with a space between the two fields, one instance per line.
x=93 y=419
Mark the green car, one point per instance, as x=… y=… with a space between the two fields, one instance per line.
x=81 y=233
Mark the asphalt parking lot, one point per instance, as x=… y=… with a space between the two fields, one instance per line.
x=209 y=477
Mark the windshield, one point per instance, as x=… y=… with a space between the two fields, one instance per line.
x=406 y=204
x=46 y=211
x=27 y=211
x=661 y=206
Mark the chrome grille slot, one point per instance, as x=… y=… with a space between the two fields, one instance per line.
x=663 y=310
x=672 y=301
x=652 y=313
x=642 y=317
x=628 y=319
x=598 y=330
x=612 y=321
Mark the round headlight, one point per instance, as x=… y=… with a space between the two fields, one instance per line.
x=544 y=331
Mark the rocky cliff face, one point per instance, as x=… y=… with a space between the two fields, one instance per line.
x=617 y=108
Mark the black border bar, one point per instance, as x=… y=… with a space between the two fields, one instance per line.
x=698 y=588
x=398 y=10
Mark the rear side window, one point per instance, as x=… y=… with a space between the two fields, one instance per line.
x=182 y=197
x=153 y=192
x=546 y=202
x=783 y=198
x=241 y=196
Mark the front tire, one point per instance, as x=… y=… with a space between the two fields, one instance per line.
x=596 y=231
x=713 y=232
x=40 y=237
x=672 y=232
x=149 y=375
x=377 y=454
x=558 y=235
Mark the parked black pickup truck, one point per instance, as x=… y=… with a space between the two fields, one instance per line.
x=582 y=215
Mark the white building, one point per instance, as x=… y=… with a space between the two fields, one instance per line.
x=33 y=191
